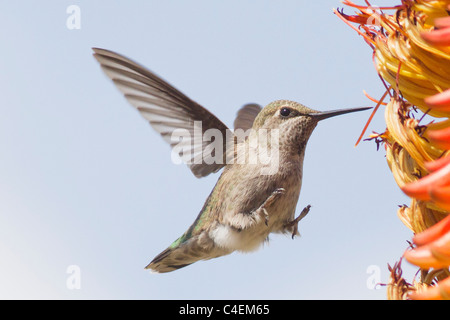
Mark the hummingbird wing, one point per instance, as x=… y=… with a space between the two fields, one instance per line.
x=166 y=109
x=246 y=115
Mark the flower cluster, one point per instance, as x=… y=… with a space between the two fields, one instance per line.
x=411 y=53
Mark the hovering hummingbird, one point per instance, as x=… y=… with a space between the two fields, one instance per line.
x=246 y=204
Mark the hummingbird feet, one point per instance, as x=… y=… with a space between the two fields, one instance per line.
x=262 y=209
x=247 y=220
x=294 y=223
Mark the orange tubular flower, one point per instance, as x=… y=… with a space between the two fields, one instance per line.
x=440 y=138
x=411 y=53
x=433 y=249
x=439 y=36
x=437 y=164
x=440 y=101
x=439 y=292
x=441 y=196
x=433 y=233
x=420 y=189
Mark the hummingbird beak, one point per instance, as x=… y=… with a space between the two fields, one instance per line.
x=328 y=114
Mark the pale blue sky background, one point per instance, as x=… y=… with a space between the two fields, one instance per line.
x=85 y=181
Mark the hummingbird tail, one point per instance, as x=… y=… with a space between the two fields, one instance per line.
x=166 y=261
x=180 y=255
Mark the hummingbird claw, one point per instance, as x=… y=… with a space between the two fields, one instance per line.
x=273 y=197
x=266 y=217
x=268 y=202
x=294 y=223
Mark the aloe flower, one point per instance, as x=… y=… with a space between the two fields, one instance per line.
x=411 y=53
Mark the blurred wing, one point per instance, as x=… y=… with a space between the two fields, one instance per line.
x=166 y=109
x=246 y=115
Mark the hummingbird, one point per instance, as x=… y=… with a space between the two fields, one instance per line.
x=246 y=204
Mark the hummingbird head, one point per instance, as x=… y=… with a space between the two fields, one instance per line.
x=294 y=121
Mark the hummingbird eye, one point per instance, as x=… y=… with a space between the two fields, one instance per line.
x=285 y=112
